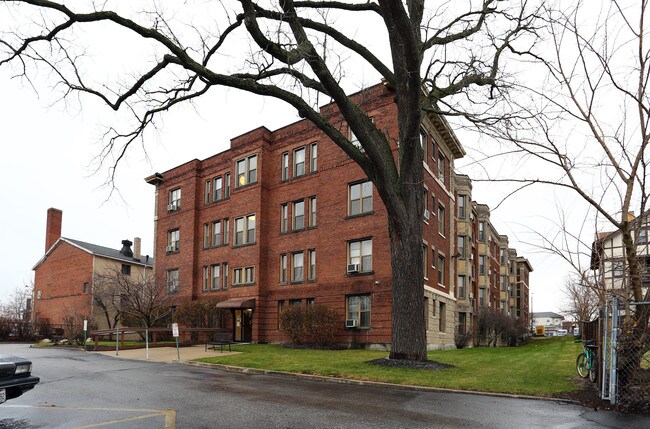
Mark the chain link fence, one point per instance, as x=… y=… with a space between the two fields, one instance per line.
x=625 y=354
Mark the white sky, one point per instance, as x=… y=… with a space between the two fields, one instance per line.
x=47 y=149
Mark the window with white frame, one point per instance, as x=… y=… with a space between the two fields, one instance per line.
x=312 y=264
x=299 y=162
x=285 y=166
x=360 y=199
x=224 y=275
x=461 y=206
x=218 y=189
x=208 y=191
x=249 y=275
x=441 y=269
x=360 y=254
x=217 y=233
x=358 y=308
x=481 y=264
x=247 y=171
x=242 y=276
x=502 y=256
x=313 y=153
x=481 y=296
x=172 y=280
x=226 y=231
x=174 y=200
x=354 y=140
x=226 y=180
x=207 y=239
x=245 y=230
x=481 y=231
x=297 y=267
x=423 y=142
x=206 y=278
x=618 y=268
x=173 y=240
x=298 y=215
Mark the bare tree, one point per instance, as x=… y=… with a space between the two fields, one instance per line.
x=132 y=299
x=443 y=60
x=581 y=301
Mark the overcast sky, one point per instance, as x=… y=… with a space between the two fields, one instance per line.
x=46 y=161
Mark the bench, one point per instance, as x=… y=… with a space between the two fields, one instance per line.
x=219 y=339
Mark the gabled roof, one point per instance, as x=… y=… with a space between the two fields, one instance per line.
x=548 y=314
x=96 y=250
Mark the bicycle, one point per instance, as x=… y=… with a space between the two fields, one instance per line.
x=587 y=362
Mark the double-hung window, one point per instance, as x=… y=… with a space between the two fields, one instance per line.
x=461 y=206
x=312 y=212
x=217 y=233
x=299 y=162
x=441 y=219
x=173 y=240
x=206 y=278
x=283 y=269
x=481 y=264
x=172 y=280
x=360 y=199
x=285 y=166
x=313 y=153
x=441 y=269
x=358 y=308
x=284 y=218
x=462 y=246
x=218 y=188
x=298 y=215
x=247 y=170
x=360 y=253
x=174 y=200
x=297 y=267
x=462 y=286
x=245 y=230
x=216 y=277
x=312 y=265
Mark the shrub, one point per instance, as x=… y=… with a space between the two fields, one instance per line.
x=322 y=322
x=462 y=339
x=293 y=322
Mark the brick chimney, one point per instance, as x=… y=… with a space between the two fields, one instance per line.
x=53 y=227
x=136 y=248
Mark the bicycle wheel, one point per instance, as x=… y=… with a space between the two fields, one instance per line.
x=581 y=365
x=593 y=371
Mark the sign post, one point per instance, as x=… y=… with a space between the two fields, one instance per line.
x=85 y=332
x=175 y=334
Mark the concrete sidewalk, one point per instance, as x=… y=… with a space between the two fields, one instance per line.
x=166 y=354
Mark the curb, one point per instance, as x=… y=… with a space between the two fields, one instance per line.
x=326 y=379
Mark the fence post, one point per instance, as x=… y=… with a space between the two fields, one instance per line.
x=613 y=377
x=605 y=351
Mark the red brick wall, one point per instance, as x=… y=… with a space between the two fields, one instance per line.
x=60 y=280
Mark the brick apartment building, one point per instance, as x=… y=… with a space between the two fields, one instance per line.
x=285 y=217
x=63 y=279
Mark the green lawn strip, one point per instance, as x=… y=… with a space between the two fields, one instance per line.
x=544 y=367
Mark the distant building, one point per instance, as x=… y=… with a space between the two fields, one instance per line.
x=551 y=322
x=63 y=281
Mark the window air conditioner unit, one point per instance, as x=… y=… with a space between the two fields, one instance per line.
x=351 y=323
x=353 y=268
x=171 y=248
x=171 y=207
x=471 y=256
x=427 y=214
x=471 y=295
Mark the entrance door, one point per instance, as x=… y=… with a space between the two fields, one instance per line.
x=243 y=325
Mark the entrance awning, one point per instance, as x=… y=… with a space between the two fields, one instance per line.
x=248 y=302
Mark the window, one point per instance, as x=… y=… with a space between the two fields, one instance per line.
x=237 y=276
x=224 y=270
x=208 y=191
x=247 y=171
x=298 y=215
x=461 y=206
x=441 y=269
x=216 y=233
x=502 y=306
x=245 y=230
x=358 y=308
x=206 y=235
x=360 y=198
x=360 y=253
x=297 y=266
x=461 y=246
x=354 y=140
x=425 y=250
x=504 y=282
x=249 y=275
x=462 y=286
x=284 y=218
x=295 y=301
x=312 y=212
x=86 y=288
x=226 y=230
x=216 y=277
x=126 y=269
x=218 y=188
x=481 y=231
x=643 y=237
x=299 y=162
x=243 y=276
x=618 y=268
x=173 y=240
x=481 y=296
x=441 y=167
x=285 y=166
x=283 y=269
x=502 y=256
x=423 y=142
x=172 y=280
x=226 y=179
x=174 y=200
x=481 y=264
x=312 y=265
x=313 y=153
x=441 y=219
x=206 y=278
x=442 y=318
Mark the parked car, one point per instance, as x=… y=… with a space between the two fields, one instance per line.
x=15 y=377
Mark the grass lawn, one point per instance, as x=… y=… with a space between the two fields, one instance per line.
x=544 y=367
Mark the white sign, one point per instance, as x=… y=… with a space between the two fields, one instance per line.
x=175 y=330
x=85 y=325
